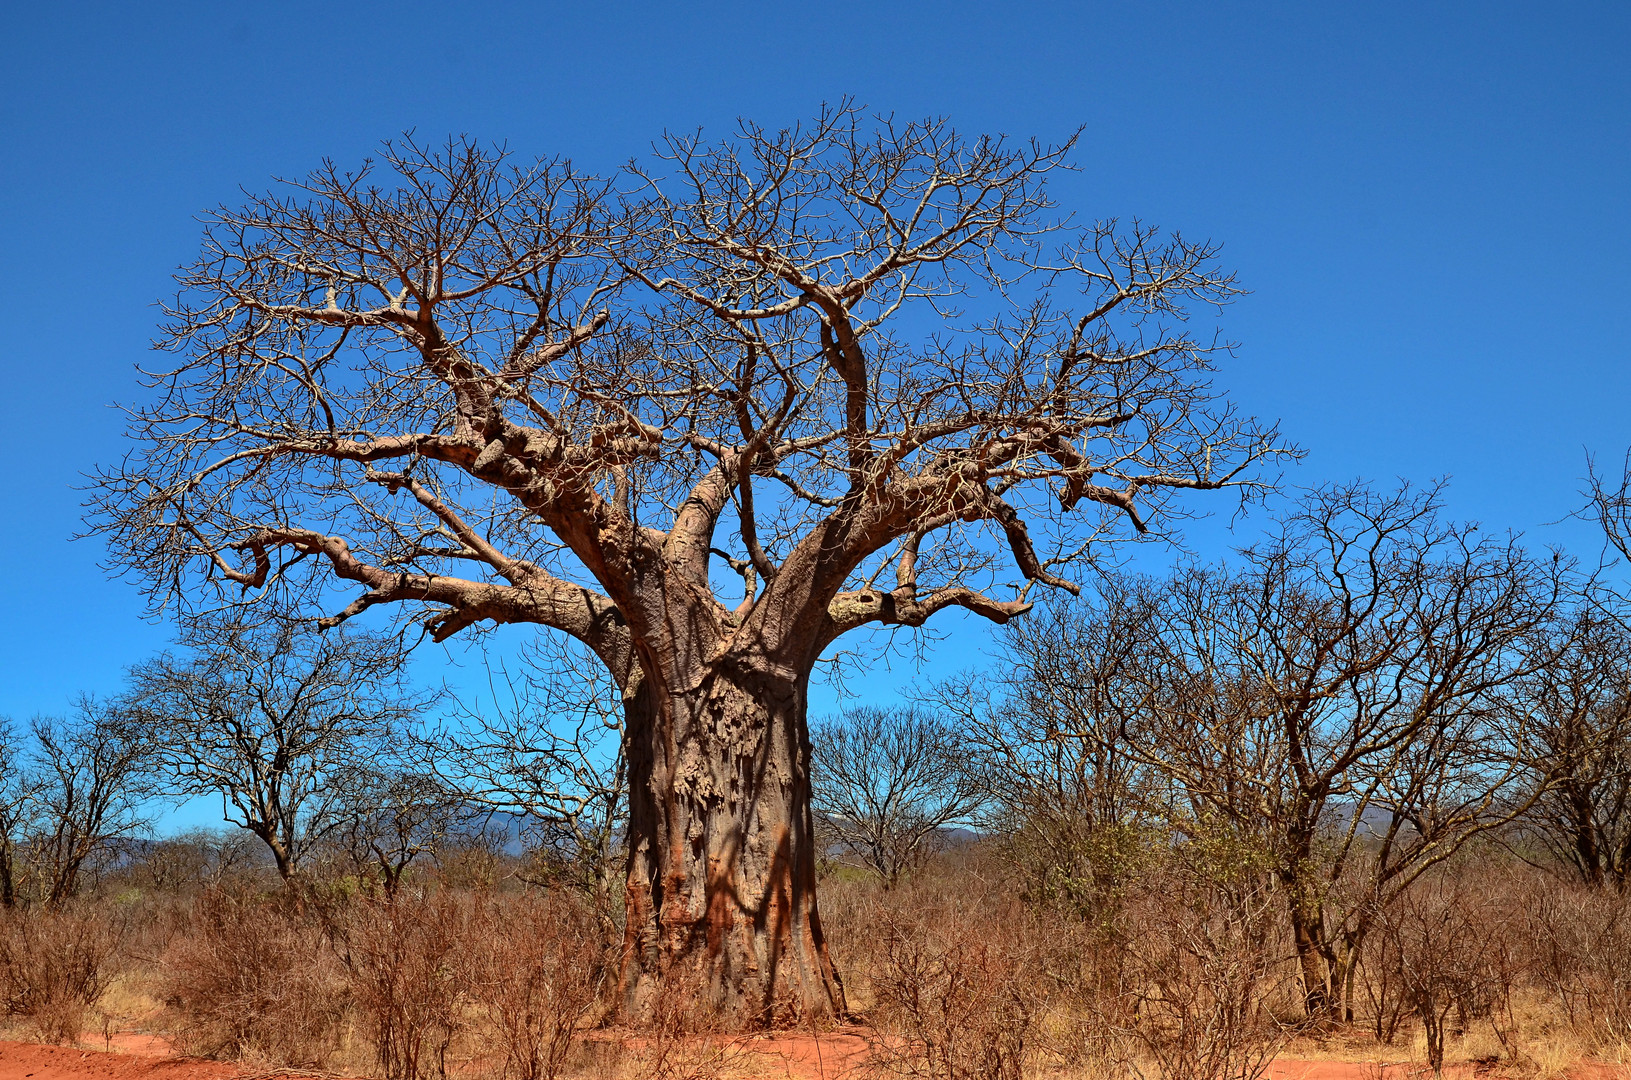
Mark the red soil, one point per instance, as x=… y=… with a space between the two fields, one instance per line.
x=1294 y=1069
x=807 y=1057
x=20 y=1060
x=786 y=1057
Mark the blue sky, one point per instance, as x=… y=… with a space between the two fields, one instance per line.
x=1429 y=202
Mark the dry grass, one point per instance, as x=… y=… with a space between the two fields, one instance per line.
x=959 y=976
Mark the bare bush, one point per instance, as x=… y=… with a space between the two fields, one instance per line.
x=684 y=1036
x=1202 y=967
x=408 y=959
x=1579 y=955
x=55 y=965
x=472 y=857
x=1448 y=953
x=1385 y=994
x=535 y=979
x=250 y=978
x=194 y=860
x=959 y=984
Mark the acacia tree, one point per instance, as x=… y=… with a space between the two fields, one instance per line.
x=18 y=788
x=94 y=771
x=389 y=817
x=1571 y=730
x=863 y=365
x=1336 y=700
x=277 y=721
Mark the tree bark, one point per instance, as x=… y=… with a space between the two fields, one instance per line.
x=1308 y=935
x=278 y=850
x=721 y=897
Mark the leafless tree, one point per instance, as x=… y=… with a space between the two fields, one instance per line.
x=546 y=749
x=1335 y=696
x=1073 y=804
x=197 y=857
x=1341 y=692
x=388 y=817
x=273 y=720
x=94 y=774
x=863 y=365
x=18 y=788
x=1571 y=729
x=1609 y=502
x=889 y=782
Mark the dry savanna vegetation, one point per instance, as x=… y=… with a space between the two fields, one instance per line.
x=1361 y=789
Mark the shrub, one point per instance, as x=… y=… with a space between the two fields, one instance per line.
x=1200 y=969
x=55 y=965
x=253 y=977
x=409 y=960
x=1445 y=947
x=1579 y=955
x=958 y=981
x=535 y=978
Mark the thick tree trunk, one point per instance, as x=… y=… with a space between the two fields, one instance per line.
x=721 y=880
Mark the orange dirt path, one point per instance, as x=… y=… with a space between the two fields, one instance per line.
x=1296 y=1069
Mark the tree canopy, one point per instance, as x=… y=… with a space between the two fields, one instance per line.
x=506 y=390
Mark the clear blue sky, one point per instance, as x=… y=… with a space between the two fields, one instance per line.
x=1428 y=200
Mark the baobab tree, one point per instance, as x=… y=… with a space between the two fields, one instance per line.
x=863 y=366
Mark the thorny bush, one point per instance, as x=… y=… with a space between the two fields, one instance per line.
x=409 y=959
x=960 y=982
x=535 y=978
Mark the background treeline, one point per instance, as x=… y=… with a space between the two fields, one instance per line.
x=1367 y=783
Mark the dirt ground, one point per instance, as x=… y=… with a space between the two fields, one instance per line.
x=132 y=1059
x=784 y=1057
